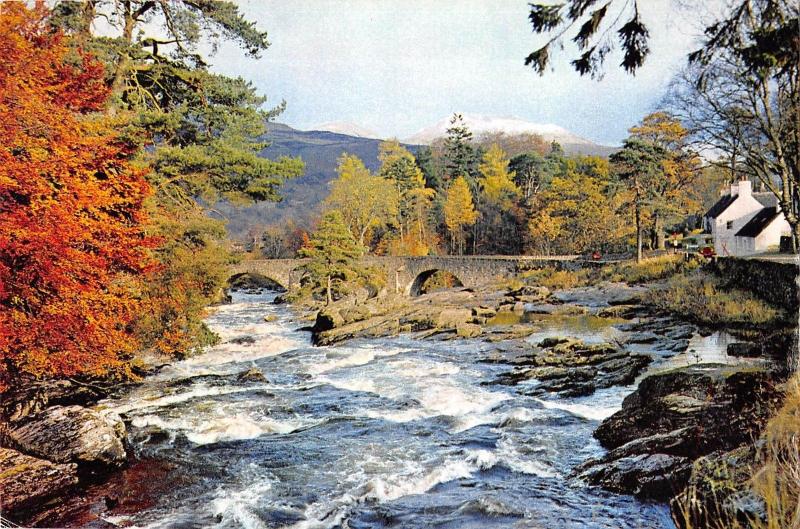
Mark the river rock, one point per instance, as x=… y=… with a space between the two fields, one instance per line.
x=483 y=312
x=570 y=367
x=744 y=349
x=29 y=397
x=468 y=330
x=530 y=293
x=451 y=318
x=679 y=415
x=72 y=434
x=624 y=312
x=328 y=318
x=718 y=492
x=251 y=375
x=27 y=481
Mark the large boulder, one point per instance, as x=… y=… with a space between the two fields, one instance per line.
x=451 y=318
x=29 y=397
x=730 y=404
x=468 y=330
x=328 y=318
x=26 y=481
x=72 y=434
x=675 y=417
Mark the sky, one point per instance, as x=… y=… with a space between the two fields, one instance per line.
x=397 y=66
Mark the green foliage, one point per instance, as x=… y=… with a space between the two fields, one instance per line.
x=460 y=156
x=193 y=268
x=199 y=134
x=333 y=254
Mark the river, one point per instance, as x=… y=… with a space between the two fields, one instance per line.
x=389 y=432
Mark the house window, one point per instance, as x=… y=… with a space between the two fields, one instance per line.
x=729 y=224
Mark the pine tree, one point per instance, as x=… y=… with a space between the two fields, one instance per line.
x=333 y=252
x=460 y=157
x=459 y=211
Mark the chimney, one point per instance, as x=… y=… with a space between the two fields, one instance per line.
x=745 y=188
x=734 y=189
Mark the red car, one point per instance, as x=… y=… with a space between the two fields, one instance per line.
x=596 y=256
x=708 y=252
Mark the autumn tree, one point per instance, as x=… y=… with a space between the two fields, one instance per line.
x=579 y=211
x=200 y=132
x=740 y=97
x=500 y=214
x=496 y=182
x=333 y=253
x=71 y=210
x=366 y=201
x=399 y=167
x=660 y=170
x=459 y=212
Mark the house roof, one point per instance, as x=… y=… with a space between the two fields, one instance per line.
x=757 y=224
x=767 y=199
x=721 y=205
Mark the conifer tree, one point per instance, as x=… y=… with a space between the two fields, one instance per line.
x=333 y=252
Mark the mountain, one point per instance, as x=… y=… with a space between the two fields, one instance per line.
x=320 y=151
x=345 y=127
x=480 y=124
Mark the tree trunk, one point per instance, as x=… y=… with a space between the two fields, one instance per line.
x=328 y=295
x=659 y=229
x=638 y=234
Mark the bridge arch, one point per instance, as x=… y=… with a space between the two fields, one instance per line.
x=415 y=287
x=252 y=279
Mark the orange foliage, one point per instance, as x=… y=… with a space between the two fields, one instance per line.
x=71 y=235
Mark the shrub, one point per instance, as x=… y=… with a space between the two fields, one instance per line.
x=653 y=269
x=700 y=297
x=556 y=279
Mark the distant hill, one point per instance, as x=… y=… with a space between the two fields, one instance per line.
x=320 y=150
x=345 y=127
x=480 y=124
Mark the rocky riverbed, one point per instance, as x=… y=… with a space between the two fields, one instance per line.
x=690 y=393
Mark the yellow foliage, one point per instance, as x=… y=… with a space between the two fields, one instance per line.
x=496 y=182
x=459 y=210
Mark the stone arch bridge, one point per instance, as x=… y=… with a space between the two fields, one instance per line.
x=408 y=274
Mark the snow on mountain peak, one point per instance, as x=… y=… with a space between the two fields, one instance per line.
x=346 y=127
x=481 y=124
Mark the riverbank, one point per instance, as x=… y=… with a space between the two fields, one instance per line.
x=547 y=350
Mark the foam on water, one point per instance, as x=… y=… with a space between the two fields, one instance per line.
x=202 y=430
x=585 y=411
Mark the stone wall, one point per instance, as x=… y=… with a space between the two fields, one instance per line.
x=774 y=282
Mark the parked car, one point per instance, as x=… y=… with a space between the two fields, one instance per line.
x=708 y=252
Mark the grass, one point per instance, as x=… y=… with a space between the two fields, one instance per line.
x=701 y=298
x=557 y=279
x=772 y=478
x=653 y=269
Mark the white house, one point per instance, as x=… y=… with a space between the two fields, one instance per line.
x=744 y=223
